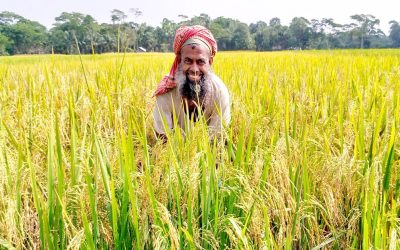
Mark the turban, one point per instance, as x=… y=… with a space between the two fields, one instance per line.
x=186 y=35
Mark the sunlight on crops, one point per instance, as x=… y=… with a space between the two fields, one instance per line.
x=311 y=158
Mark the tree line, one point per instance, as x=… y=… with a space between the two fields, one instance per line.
x=80 y=33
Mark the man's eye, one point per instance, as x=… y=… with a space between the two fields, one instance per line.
x=201 y=62
x=188 y=61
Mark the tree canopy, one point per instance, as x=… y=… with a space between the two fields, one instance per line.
x=80 y=33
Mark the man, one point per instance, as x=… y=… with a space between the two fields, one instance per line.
x=191 y=88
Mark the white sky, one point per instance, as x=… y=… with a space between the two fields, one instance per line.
x=248 y=11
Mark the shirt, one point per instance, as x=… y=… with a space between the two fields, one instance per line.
x=216 y=110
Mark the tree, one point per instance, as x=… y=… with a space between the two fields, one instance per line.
x=266 y=39
x=118 y=16
x=331 y=31
x=275 y=22
x=72 y=29
x=66 y=29
x=279 y=40
x=136 y=12
x=202 y=19
x=299 y=32
x=183 y=17
x=5 y=44
x=258 y=30
x=241 y=38
x=318 y=36
x=91 y=29
x=29 y=37
x=272 y=37
x=146 y=37
x=166 y=34
x=10 y=18
x=20 y=35
x=395 y=33
x=366 y=28
x=323 y=33
x=220 y=28
x=256 y=27
x=126 y=32
x=227 y=31
x=107 y=40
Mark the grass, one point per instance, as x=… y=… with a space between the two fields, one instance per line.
x=311 y=161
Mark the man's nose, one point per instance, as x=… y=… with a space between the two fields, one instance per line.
x=194 y=73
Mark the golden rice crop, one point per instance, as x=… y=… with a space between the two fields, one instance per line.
x=311 y=160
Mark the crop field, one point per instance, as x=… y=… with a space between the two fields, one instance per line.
x=310 y=160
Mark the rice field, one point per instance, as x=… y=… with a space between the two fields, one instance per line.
x=311 y=159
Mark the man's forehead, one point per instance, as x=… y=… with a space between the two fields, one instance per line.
x=197 y=41
x=195 y=50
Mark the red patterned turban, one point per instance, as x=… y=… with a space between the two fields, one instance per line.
x=183 y=34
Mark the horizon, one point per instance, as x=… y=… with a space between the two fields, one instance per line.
x=244 y=12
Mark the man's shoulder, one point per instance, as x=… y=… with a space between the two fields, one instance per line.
x=219 y=84
x=171 y=93
x=216 y=79
x=168 y=99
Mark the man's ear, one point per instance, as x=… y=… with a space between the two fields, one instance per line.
x=179 y=57
x=211 y=60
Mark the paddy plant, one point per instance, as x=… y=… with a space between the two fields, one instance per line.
x=311 y=159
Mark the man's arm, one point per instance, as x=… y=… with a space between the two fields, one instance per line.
x=162 y=114
x=222 y=112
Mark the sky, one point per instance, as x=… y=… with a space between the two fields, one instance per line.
x=248 y=11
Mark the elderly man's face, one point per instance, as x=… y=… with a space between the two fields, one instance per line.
x=195 y=61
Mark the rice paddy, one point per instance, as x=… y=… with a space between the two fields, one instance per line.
x=311 y=159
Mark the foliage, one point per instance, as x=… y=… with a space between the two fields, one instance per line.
x=76 y=32
x=5 y=44
x=395 y=33
x=20 y=35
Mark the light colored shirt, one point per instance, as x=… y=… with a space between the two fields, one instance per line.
x=216 y=110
